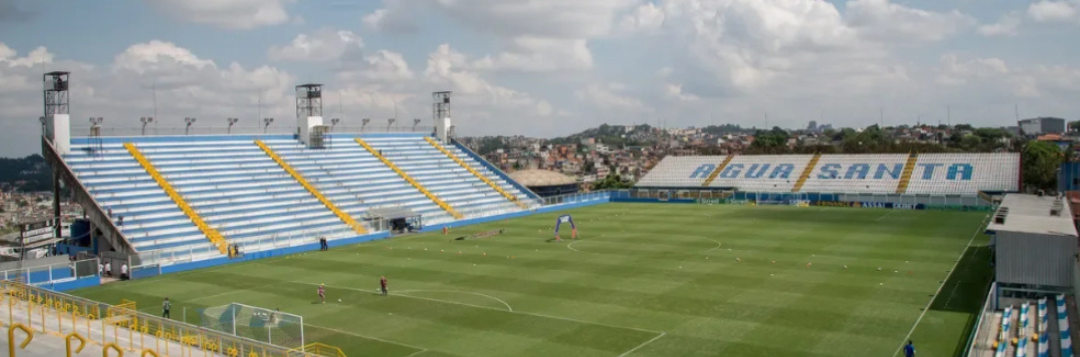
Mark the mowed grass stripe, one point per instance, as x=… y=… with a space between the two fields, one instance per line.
x=713 y=306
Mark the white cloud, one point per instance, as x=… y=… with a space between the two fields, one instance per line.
x=382 y=66
x=532 y=54
x=675 y=91
x=645 y=18
x=232 y=14
x=323 y=46
x=1052 y=11
x=885 y=21
x=955 y=71
x=609 y=97
x=1007 y=26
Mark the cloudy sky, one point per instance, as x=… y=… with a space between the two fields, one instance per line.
x=543 y=67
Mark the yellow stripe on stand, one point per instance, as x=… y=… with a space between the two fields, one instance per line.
x=405 y=176
x=212 y=234
x=716 y=172
x=475 y=173
x=909 y=168
x=806 y=173
x=345 y=217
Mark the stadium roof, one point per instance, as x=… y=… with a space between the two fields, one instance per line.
x=1031 y=214
x=540 y=178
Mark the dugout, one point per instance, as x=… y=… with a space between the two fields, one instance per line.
x=1034 y=246
x=546 y=183
x=397 y=219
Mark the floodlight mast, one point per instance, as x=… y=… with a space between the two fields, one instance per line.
x=56 y=92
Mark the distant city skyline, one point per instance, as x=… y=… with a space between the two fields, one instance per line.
x=543 y=68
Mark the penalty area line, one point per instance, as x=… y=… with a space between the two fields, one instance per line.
x=931 y=302
x=353 y=334
x=627 y=353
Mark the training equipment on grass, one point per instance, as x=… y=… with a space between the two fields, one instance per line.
x=565 y=219
x=260 y=324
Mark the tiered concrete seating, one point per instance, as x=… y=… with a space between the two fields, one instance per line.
x=965 y=173
x=442 y=176
x=763 y=173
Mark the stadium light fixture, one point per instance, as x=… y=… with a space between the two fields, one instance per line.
x=189 y=122
x=232 y=121
x=364 y=122
x=333 y=122
x=145 y=121
x=415 y=123
x=389 y=123
x=42 y=120
x=266 y=123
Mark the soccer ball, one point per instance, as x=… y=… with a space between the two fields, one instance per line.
x=338 y=300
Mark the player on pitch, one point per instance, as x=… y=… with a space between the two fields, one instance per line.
x=322 y=293
x=382 y=284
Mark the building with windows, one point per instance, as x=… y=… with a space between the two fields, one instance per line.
x=1042 y=125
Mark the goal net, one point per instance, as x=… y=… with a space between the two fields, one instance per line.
x=261 y=324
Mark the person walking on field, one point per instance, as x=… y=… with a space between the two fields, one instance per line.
x=382 y=284
x=909 y=349
x=165 y=307
x=322 y=293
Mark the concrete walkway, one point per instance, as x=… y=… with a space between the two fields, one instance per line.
x=49 y=330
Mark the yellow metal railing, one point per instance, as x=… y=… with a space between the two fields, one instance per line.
x=212 y=234
x=408 y=178
x=806 y=173
x=478 y=175
x=712 y=176
x=345 y=217
x=122 y=327
x=905 y=178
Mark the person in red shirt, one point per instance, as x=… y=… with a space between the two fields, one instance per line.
x=382 y=283
x=322 y=293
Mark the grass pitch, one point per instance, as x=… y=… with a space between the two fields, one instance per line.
x=643 y=280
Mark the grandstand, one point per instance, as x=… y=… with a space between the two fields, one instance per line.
x=929 y=174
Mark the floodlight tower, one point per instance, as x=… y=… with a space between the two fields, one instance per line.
x=308 y=109
x=57 y=116
x=440 y=112
x=231 y=121
x=364 y=123
x=415 y=122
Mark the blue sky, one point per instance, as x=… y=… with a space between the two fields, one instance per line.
x=544 y=68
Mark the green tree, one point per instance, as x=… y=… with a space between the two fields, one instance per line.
x=1040 y=163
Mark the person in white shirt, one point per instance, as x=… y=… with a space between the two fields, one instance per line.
x=108 y=269
x=124 y=272
x=100 y=269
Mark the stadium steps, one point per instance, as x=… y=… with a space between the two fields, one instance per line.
x=716 y=172
x=498 y=189
x=905 y=177
x=345 y=217
x=408 y=178
x=806 y=173
x=212 y=234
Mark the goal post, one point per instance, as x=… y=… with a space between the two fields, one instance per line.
x=257 y=323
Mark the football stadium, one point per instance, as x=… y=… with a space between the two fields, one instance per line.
x=401 y=241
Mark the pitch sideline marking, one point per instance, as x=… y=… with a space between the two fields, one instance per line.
x=421 y=349
x=627 y=353
x=501 y=310
x=508 y=308
x=570 y=246
x=886 y=215
x=927 y=308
